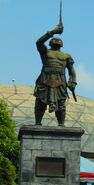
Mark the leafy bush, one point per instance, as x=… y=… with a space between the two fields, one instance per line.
x=7 y=171
x=9 y=147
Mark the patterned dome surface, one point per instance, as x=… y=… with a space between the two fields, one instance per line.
x=79 y=114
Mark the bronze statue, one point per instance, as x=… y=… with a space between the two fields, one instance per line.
x=51 y=85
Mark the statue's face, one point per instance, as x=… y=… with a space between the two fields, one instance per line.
x=56 y=42
x=55 y=47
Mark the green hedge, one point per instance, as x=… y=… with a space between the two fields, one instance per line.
x=7 y=171
x=9 y=147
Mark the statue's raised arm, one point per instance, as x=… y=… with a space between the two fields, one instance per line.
x=49 y=34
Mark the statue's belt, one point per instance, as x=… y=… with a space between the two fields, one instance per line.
x=53 y=70
x=53 y=82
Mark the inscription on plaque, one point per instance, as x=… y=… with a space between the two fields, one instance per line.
x=50 y=167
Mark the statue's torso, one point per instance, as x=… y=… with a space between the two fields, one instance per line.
x=56 y=58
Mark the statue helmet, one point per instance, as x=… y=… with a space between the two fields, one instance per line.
x=56 y=41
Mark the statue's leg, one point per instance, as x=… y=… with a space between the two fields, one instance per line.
x=40 y=108
x=61 y=112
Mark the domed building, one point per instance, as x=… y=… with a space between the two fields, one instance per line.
x=79 y=114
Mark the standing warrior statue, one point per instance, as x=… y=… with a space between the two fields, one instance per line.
x=51 y=85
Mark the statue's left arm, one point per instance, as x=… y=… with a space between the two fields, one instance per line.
x=72 y=74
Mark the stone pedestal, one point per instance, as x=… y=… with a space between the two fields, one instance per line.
x=49 y=155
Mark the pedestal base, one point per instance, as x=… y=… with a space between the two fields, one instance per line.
x=49 y=155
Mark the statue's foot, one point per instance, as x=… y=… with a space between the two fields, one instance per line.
x=61 y=125
x=38 y=124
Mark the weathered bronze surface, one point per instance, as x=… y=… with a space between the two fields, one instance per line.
x=51 y=85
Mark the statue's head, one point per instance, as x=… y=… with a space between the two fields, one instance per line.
x=56 y=42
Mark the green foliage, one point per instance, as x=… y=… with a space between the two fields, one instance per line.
x=9 y=147
x=7 y=171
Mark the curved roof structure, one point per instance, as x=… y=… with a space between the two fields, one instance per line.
x=79 y=114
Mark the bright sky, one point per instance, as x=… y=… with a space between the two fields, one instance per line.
x=22 y=22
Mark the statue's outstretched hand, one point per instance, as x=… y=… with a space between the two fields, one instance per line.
x=57 y=30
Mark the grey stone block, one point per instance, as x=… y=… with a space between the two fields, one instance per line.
x=32 y=144
x=51 y=144
x=68 y=145
x=40 y=153
x=26 y=165
x=50 y=181
x=75 y=178
x=26 y=183
x=27 y=176
x=74 y=156
x=26 y=155
x=58 y=154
